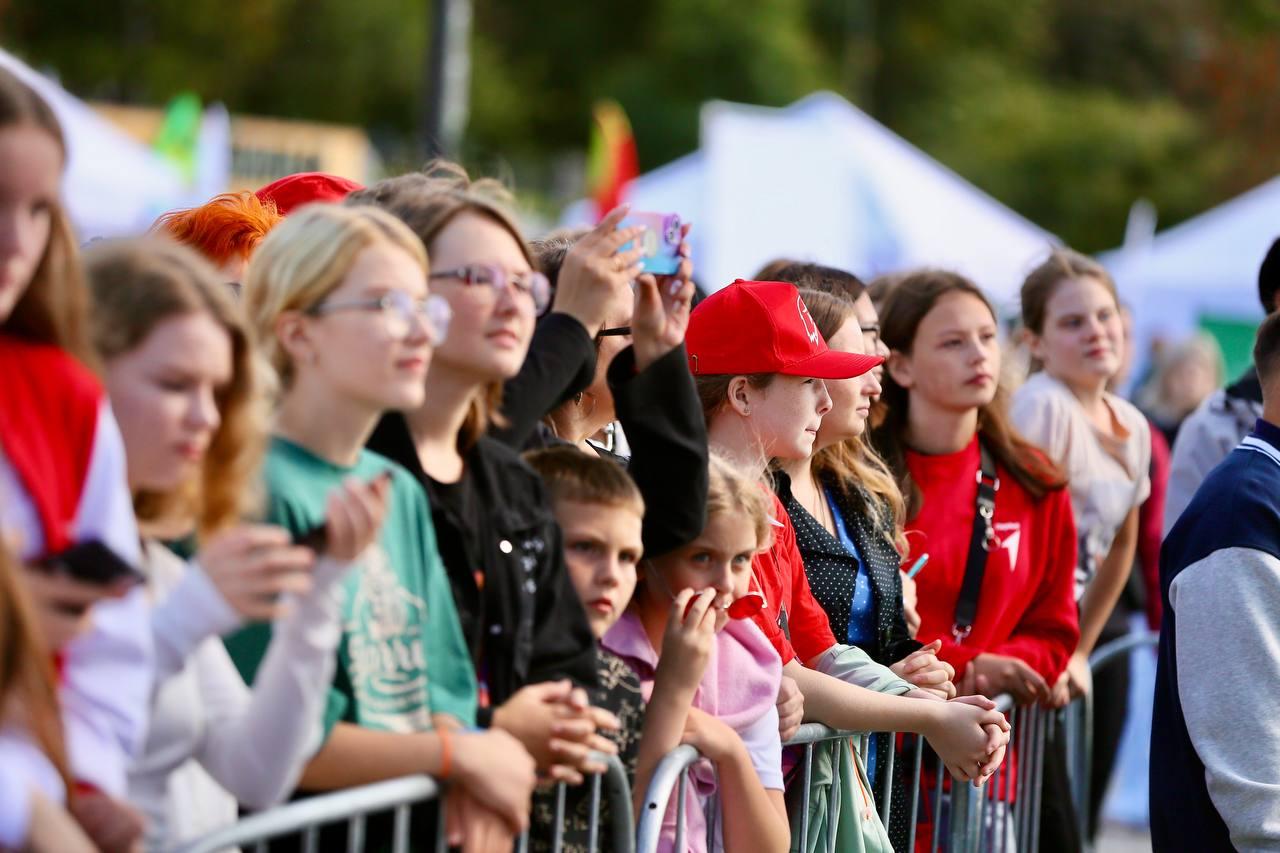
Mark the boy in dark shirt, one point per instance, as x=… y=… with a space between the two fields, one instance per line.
x=600 y=511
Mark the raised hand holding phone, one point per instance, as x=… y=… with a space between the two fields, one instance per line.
x=598 y=270
x=662 y=305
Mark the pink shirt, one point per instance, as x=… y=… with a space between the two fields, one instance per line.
x=740 y=687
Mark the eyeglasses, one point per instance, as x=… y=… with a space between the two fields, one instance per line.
x=532 y=284
x=616 y=331
x=399 y=312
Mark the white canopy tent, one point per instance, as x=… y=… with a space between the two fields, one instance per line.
x=1207 y=265
x=820 y=180
x=113 y=186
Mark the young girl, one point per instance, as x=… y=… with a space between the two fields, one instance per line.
x=528 y=636
x=948 y=439
x=756 y=355
x=338 y=298
x=1075 y=333
x=179 y=371
x=711 y=681
x=62 y=476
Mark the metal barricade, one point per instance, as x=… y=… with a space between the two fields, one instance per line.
x=1078 y=719
x=306 y=817
x=1002 y=815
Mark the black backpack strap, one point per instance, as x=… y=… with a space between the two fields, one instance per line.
x=982 y=541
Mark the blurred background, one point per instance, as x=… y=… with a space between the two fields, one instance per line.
x=1088 y=120
x=870 y=134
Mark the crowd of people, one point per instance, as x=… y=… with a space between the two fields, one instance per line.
x=324 y=484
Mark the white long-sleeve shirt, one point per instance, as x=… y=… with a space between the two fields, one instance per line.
x=106 y=683
x=213 y=742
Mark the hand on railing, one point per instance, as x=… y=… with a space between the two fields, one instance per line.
x=969 y=734
x=475 y=828
x=557 y=725
x=926 y=671
x=1076 y=680
x=992 y=674
x=495 y=770
x=790 y=708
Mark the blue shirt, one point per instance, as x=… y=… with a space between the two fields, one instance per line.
x=862 y=614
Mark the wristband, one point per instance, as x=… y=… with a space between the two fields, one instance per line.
x=446 y=752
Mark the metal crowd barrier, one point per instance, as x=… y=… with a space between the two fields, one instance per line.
x=1079 y=721
x=1002 y=815
x=306 y=817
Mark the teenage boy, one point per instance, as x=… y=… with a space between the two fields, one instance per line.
x=1215 y=748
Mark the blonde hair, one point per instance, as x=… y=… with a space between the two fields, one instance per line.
x=427 y=202
x=138 y=284
x=858 y=470
x=729 y=489
x=306 y=258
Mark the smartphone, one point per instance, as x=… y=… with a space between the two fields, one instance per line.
x=316 y=538
x=94 y=563
x=660 y=241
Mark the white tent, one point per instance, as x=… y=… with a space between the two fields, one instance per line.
x=1206 y=265
x=820 y=180
x=113 y=186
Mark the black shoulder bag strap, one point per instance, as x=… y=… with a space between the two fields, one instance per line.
x=981 y=542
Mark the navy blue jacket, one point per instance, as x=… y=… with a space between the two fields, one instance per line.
x=1237 y=506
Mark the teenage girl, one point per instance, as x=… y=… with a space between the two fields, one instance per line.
x=339 y=302
x=62 y=474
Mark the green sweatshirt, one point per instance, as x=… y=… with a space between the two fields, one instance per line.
x=402 y=656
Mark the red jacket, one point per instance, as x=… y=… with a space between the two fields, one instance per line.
x=792 y=618
x=1027 y=607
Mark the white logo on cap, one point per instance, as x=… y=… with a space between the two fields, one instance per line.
x=810 y=327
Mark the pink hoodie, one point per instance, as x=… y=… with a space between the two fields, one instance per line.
x=739 y=687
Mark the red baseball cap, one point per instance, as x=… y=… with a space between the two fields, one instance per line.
x=764 y=327
x=293 y=191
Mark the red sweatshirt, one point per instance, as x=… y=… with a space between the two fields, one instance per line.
x=1027 y=607
x=792 y=618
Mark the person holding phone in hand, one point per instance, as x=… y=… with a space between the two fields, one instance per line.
x=340 y=305
x=179 y=369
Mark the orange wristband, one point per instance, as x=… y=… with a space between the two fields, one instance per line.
x=446 y=752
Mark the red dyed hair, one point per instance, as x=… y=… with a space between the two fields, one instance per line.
x=228 y=226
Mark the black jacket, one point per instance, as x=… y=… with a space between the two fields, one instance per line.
x=832 y=569
x=662 y=419
x=560 y=363
x=526 y=624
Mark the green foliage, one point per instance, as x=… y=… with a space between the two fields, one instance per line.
x=1067 y=110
